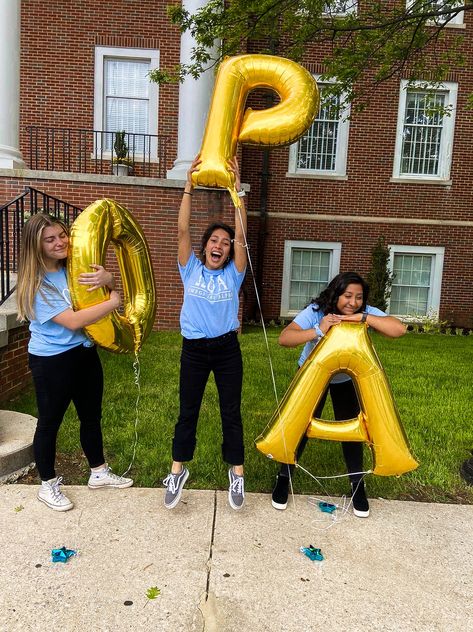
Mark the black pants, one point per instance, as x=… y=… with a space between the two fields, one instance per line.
x=75 y=375
x=221 y=355
x=345 y=406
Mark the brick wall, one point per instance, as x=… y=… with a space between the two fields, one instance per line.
x=58 y=40
x=14 y=372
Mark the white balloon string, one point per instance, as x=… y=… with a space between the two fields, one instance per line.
x=137 y=374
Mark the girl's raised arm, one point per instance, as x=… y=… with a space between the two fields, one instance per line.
x=240 y=222
x=183 y=223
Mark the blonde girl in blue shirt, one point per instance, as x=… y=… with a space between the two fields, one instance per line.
x=64 y=363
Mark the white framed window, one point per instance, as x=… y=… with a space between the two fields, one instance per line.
x=417 y=280
x=340 y=7
x=308 y=268
x=425 y=128
x=124 y=97
x=438 y=5
x=323 y=148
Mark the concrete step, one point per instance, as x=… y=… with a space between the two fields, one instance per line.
x=16 y=444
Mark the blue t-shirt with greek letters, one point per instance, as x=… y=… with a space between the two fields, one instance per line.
x=211 y=302
x=47 y=337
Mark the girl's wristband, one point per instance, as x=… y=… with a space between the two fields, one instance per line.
x=319 y=332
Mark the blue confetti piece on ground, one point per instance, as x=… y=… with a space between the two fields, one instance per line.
x=62 y=555
x=312 y=553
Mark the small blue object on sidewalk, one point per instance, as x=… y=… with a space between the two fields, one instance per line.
x=327 y=507
x=62 y=555
x=312 y=553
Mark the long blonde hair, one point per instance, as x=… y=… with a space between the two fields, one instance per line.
x=31 y=268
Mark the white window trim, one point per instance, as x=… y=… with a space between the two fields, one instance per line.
x=342 y=145
x=438 y=252
x=334 y=247
x=446 y=145
x=102 y=52
x=456 y=22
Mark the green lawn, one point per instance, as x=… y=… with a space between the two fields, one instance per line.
x=430 y=377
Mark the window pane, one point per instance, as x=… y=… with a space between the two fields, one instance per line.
x=411 y=285
x=309 y=276
x=422 y=133
x=317 y=150
x=126 y=101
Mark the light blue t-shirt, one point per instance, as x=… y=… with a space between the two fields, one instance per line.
x=309 y=318
x=47 y=337
x=210 y=306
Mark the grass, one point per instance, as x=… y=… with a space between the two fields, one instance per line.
x=430 y=376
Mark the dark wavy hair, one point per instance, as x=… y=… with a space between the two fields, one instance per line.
x=328 y=298
x=206 y=236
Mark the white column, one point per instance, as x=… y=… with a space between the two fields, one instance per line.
x=194 y=101
x=10 y=156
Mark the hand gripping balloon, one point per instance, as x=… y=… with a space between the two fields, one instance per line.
x=99 y=224
x=228 y=122
x=346 y=348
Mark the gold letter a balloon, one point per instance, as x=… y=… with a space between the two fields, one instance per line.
x=347 y=349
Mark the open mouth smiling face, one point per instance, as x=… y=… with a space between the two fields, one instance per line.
x=217 y=249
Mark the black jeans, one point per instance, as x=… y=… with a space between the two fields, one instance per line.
x=75 y=375
x=345 y=406
x=199 y=357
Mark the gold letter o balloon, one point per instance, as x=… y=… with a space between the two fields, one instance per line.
x=229 y=122
x=99 y=224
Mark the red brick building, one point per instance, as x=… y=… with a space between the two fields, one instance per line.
x=395 y=170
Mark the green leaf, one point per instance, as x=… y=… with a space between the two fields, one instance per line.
x=153 y=592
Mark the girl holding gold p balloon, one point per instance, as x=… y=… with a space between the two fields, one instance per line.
x=64 y=363
x=209 y=324
x=343 y=300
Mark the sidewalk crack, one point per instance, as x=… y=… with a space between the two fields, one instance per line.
x=209 y=560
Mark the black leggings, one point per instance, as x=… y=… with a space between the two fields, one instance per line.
x=345 y=406
x=199 y=357
x=75 y=375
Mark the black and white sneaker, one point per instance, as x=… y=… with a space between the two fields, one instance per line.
x=361 y=507
x=175 y=485
x=280 y=493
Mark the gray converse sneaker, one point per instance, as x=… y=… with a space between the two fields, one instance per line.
x=236 y=491
x=175 y=485
x=106 y=478
x=51 y=495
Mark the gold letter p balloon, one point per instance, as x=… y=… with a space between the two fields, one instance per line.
x=228 y=122
x=346 y=349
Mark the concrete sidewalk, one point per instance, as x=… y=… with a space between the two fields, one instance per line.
x=409 y=567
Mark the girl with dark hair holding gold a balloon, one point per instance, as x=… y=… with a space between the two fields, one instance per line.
x=343 y=300
x=63 y=361
x=209 y=323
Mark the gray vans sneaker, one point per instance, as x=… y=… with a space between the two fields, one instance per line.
x=236 y=491
x=51 y=495
x=175 y=485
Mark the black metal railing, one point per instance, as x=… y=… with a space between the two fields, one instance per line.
x=93 y=151
x=12 y=219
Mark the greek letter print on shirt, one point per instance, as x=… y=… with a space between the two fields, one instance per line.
x=211 y=301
